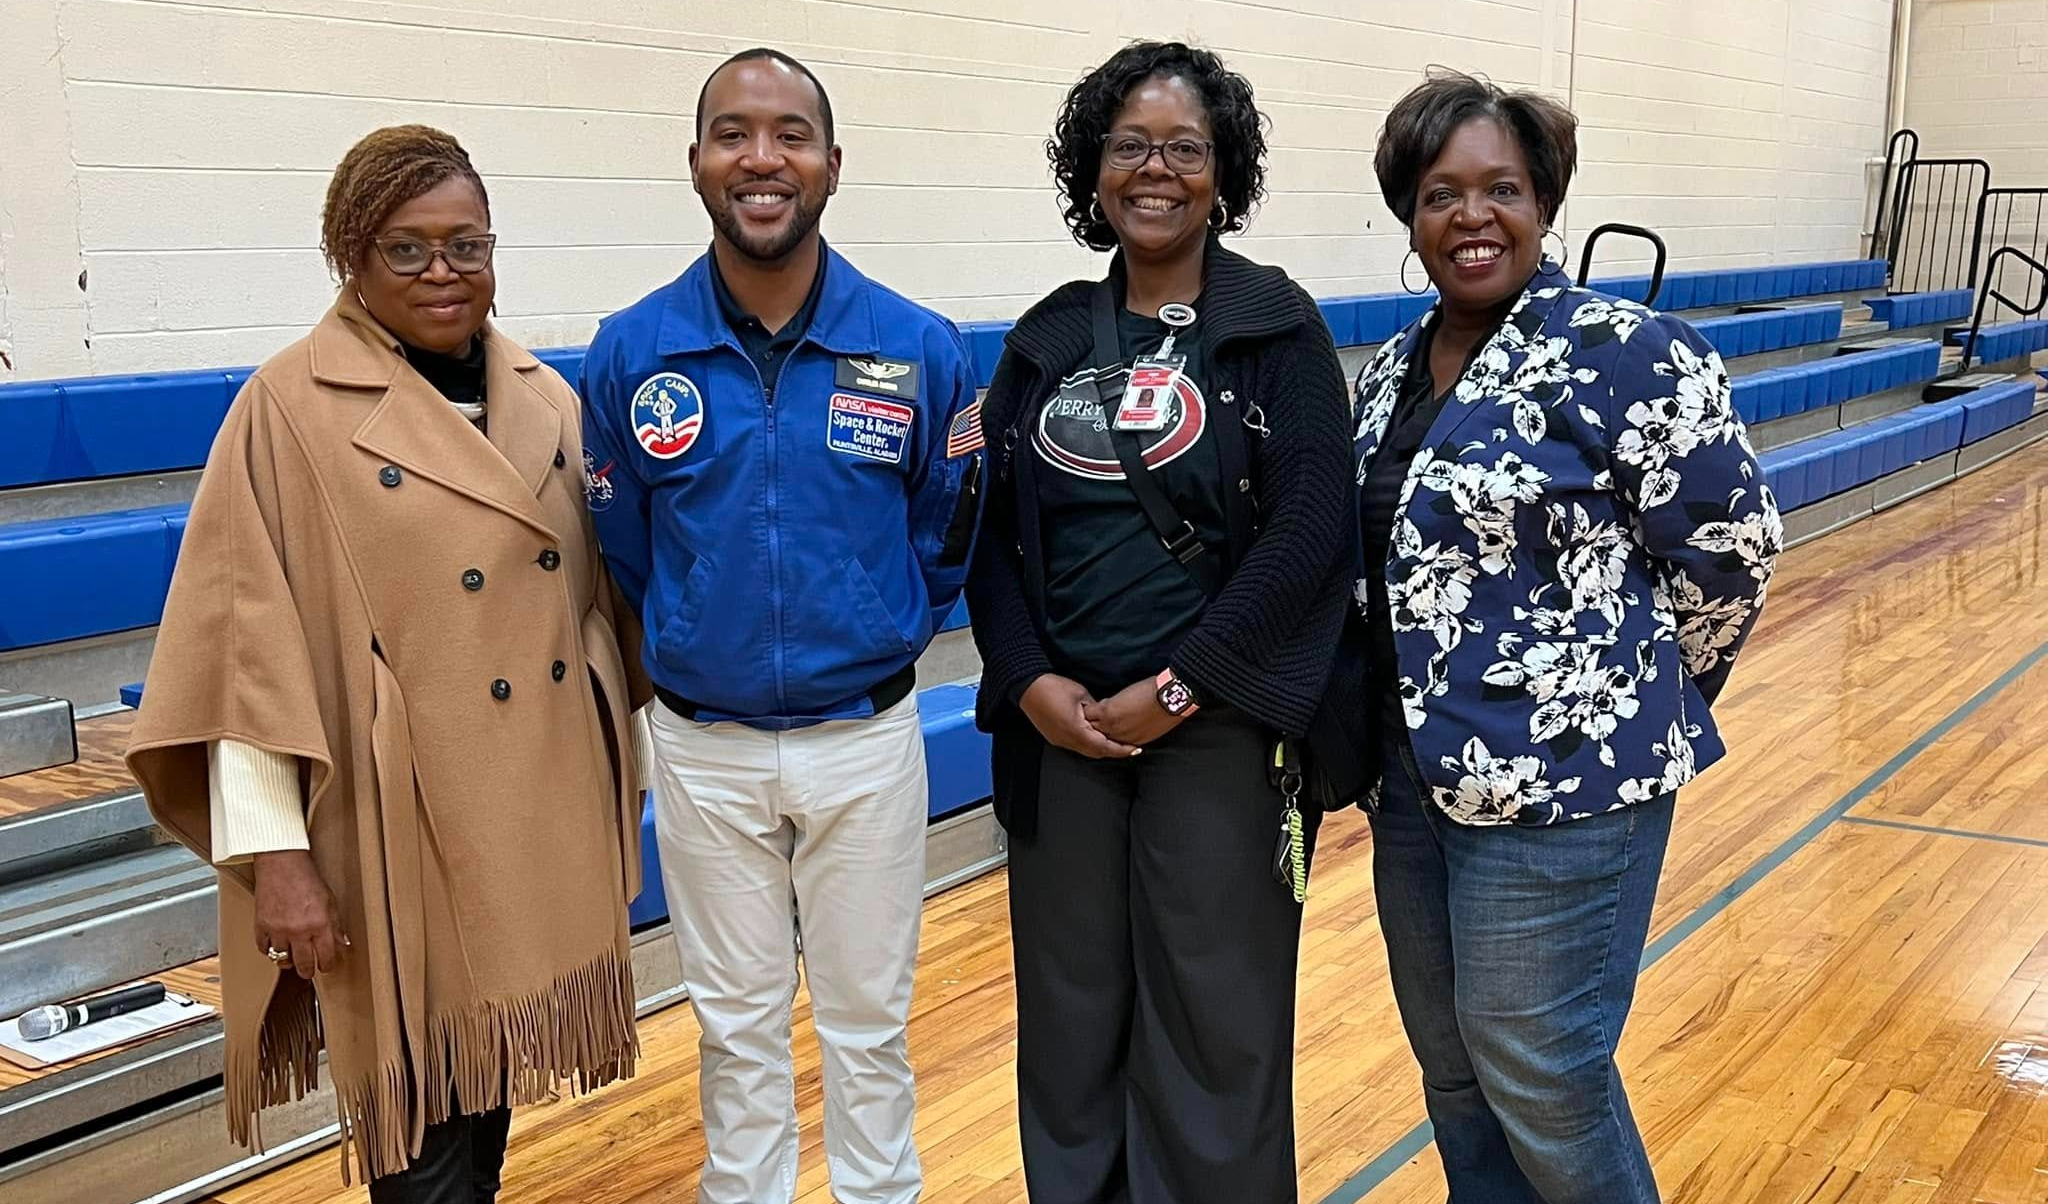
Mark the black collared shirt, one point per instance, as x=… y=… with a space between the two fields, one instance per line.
x=769 y=351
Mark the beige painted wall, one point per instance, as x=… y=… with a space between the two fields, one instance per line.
x=1977 y=84
x=175 y=153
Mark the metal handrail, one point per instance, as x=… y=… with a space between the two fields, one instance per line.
x=1989 y=291
x=1893 y=164
x=1642 y=232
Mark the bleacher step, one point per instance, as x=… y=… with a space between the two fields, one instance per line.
x=1956 y=386
x=85 y=928
x=73 y=834
x=36 y=732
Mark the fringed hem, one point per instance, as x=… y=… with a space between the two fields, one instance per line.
x=281 y=1065
x=497 y=1052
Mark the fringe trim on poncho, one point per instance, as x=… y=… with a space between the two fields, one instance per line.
x=510 y=1051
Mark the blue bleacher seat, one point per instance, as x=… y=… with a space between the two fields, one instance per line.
x=1921 y=309
x=70 y=430
x=2002 y=341
x=1797 y=388
x=1995 y=408
x=70 y=578
x=1772 y=330
x=566 y=360
x=1815 y=469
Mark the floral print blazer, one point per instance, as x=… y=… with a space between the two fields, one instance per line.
x=1581 y=547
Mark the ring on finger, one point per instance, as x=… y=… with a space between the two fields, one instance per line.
x=277 y=956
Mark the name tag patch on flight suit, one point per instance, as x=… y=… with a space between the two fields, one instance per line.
x=873 y=374
x=668 y=415
x=869 y=427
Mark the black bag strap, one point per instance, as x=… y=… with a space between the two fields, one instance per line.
x=1176 y=534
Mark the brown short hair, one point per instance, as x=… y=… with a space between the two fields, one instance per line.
x=1424 y=120
x=378 y=174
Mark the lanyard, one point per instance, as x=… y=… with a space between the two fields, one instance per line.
x=1176 y=534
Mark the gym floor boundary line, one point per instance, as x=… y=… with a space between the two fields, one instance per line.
x=1394 y=1157
x=1898 y=825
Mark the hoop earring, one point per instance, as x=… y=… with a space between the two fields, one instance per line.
x=1564 y=255
x=1219 y=216
x=1095 y=213
x=1411 y=290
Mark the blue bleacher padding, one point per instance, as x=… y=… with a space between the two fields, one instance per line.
x=1797 y=388
x=984 y=348
x=957 y=617
x=71 y=430
x=1921 y=309
x=2006 y=340
x=1736 y=335
x=566 y=360
x=70 y=578
x=1815 y=469
x=1991 y=410
x=955 y=751
x=651 y=904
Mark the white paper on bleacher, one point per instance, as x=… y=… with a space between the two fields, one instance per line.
x=173 y=1012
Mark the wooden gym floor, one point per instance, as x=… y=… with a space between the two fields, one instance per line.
x=1845 y=999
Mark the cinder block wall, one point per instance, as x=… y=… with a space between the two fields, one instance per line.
x=162 y=163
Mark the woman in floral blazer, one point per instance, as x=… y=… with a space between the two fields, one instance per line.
x=1566 y=541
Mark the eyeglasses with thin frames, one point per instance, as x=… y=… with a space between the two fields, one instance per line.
x=465 y=254
x=1182 y=156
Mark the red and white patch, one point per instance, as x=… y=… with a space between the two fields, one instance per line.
x=668 y=415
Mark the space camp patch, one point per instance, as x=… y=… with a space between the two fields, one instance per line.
x=868 y=427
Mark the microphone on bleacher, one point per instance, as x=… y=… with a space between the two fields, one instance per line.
x=46 y=1022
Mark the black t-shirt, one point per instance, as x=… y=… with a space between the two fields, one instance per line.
x=1117 y=603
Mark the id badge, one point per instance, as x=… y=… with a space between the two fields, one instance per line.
x=1148 y=395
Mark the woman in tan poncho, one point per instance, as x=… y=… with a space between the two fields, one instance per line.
x=389 y=701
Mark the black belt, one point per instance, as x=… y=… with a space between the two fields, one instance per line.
x=894 y=689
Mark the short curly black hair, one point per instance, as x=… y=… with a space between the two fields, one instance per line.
x=1424 y=120
x=1237 y=126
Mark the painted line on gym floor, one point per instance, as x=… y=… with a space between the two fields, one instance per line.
x=1382 y=1168
x=1934 y=830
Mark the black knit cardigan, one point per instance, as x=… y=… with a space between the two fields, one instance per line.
x=1266 y=642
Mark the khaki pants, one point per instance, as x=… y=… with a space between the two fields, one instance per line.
x=771 y=839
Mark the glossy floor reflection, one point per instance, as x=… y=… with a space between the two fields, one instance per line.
x=1851 y=942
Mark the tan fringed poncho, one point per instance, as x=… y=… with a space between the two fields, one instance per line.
x=418 y=612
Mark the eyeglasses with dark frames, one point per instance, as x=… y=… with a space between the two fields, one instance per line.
x=1182 y=156
x=465 y=254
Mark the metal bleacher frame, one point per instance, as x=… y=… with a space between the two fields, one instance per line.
x=1835 y=397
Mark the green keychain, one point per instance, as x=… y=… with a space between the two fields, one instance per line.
x=1290 y=854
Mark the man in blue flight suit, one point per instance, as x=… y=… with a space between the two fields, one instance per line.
x=785 y=475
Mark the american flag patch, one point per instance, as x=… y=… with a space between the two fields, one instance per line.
x=964 y=436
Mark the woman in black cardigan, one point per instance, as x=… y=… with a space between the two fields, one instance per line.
x=1188 y=615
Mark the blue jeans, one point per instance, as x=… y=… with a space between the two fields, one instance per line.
x=1514 y=954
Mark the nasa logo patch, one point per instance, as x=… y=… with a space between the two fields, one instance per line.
x=668 y=415
x=868 y=427
x=598 y=490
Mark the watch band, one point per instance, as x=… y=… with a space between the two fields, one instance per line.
x=1177 y=696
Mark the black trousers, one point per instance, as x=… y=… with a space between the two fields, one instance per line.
x=1155 y=956
x=460 y=1162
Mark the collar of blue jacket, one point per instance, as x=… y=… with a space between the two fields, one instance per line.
x=844 y=323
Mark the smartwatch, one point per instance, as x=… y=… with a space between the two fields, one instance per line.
x=1177 y=696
